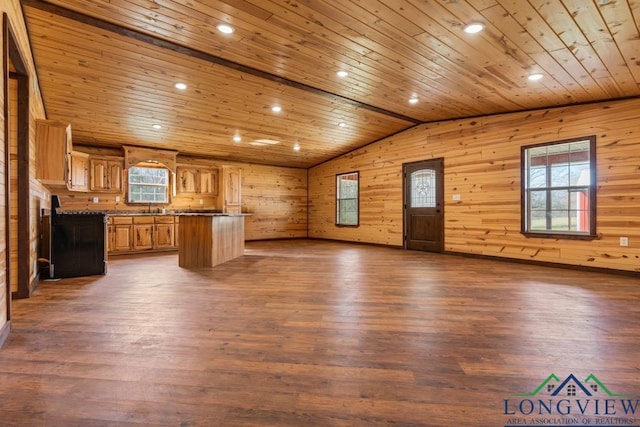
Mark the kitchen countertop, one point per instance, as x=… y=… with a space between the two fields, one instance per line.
x=212 y=214
x=153 y=212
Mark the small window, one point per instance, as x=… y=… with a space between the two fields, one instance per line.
x=559 y=189
x=148 y=185
x=347 y=199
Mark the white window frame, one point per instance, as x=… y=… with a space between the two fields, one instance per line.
x=133 y=185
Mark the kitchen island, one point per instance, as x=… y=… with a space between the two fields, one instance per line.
x=209 y=239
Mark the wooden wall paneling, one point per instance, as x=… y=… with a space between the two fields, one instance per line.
x=277 y=197
x=5 y=182
x=482 y=165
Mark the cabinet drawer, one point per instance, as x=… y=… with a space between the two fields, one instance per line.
x=143 y=219
x=165 y=219
x=121 y=220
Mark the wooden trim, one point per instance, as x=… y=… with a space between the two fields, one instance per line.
x=184 y=50
x=24 y=240
x=593 y=190
x=19 y=63
x=4 y=331
x=336 y=199
x=547 y=264
x=7 y=168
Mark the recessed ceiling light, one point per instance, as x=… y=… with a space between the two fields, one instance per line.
x=276 y=108
x=181 y=86
x=237 y=138
x=296 y=146
x=413 y=99
x=342 y=73
x=535 y=77
x=225 y=29
x=473 y=28
x=342 y=124
x=263 y=142
x=156 y=126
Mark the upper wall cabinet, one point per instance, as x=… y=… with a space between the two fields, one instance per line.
x=196 y=180
x=106 y=174
x=78 y=171
x=53 y=152
x=230 y=193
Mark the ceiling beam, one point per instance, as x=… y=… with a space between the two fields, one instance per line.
x=194 y=53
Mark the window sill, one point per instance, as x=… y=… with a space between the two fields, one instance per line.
x=567 y=236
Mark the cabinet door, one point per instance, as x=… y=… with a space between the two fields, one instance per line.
x=208 y=182
x=114 y=175
x=186 y=180
x=98 y=169
x=232 y=190
x=106 y=175
x=53 y=147
x=120 y=238
x=163 y=237
x=79 y=172
x=142 y=237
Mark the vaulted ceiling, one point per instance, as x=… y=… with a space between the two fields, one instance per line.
x=109 y=68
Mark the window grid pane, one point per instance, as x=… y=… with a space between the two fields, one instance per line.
x=347 y=199
x=148 y=185
x=423 y=188
x=557 y=186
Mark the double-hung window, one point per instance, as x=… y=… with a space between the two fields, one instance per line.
x=559 y=189
x=347 y=202
x=148 y=185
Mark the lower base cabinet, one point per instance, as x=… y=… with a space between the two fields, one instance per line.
x=141 y=233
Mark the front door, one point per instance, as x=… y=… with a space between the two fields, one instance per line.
x=423 y=205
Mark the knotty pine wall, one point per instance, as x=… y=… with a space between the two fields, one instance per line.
x=38 y=195
x=276 y=196
x=4 y=221
x=482 y=165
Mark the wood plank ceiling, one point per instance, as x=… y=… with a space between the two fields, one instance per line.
x=109 y=67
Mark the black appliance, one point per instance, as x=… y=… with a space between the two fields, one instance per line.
x=78 y=243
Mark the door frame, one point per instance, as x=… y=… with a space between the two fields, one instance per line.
x=12 y=52
x=439 y=198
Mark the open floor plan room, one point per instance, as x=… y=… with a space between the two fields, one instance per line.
x=311 y=332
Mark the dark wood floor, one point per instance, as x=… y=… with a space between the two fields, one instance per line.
x=312 y=333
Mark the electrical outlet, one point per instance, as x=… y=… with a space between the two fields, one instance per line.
x=117 y=199
x=455 y=197
x=624 y=241
x=202 y=201
x=96 y=200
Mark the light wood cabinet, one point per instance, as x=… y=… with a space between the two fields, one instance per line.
x=230 y=190
x=143 y=227
x=163 y=234
x=208 y=182
x=142 y=233
x=120 y=234
x=106 y=174
x=78 y=171
x=196 y=180
x=53 y=151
